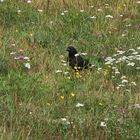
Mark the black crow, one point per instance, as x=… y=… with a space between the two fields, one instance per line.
x=75 y=60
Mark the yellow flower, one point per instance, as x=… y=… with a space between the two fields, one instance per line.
x=68 y=77
x=31 y=34
x=75 y=67
x=72 y=94
x=100 y=104
x=62 y=97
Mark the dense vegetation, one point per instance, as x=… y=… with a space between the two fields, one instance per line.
x=42 y=98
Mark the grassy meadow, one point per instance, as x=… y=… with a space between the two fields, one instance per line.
x=42 y=98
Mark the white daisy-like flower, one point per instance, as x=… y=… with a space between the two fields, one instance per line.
x=76 y=54
x=40 y=10
x=81 y=11
x=124 y=81
x=84 y=54
x=93 y=17
x=109 y=16
x=131 y=64
x=29 y=1
x=103 y=124
x=12 y=53
x=27 y=65
x=62 y=14
x=58 y=71
x=138 y=1
x=79 y=105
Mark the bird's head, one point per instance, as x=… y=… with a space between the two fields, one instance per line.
x=72 y=51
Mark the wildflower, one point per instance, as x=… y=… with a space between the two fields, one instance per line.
x=62 y=14
x=91 y=6
x=31 y=34
x=133 y=83
x=30 y=113
x=79 y=105
x=65 y=121
x=84 y=54
x=68 y=77
x=29 y=1
x=40 y=10
x=121 y=15
x=19 y=58
x=100 y=104
x=58 y=71
x=62 y=97
x=99 y=10
x=66 y=72
x=13 y=45
x=102 y=124
x=64 y=64
x=72 y=94
x=66 y=11
x=27 y=65
x=1 y=0
x=138 y=1
x=131 y=64
x=137 y=106
x=124 y=81
x=81 y=11
x=93 y=17
x=109 y=16
x=19 y=11
x=76 y=54
x=13 y=53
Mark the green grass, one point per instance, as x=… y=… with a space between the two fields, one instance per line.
x=39 y=103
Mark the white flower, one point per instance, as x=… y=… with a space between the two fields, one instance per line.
x=40 y=10
x=29 y=1
x=121 y=15
x=62 y=14
x=120 y=52
x=138 y=1
x=134 y=53
x=91 y=6
x=66 y=11
x=132 y=50
x=138 y=48
x=81 y=11
x=131 y=64
x=1 y=0
x=79 y=105
x=102 y=124
x=58 y=71
x=19 y=11
x=137 y=106
x=124 y=81
x=76 y=54
x=13 y=45
x=26 y=58
x=66 y=72
x=27 y=65
x=93 y=17
x=84 y=54
x=99 y=10
x=64 y=64
x=63 y=119
x=133 y=83
x=109 y=16
x=13 y=53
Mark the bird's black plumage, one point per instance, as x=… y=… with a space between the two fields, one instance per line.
x=76 y=60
